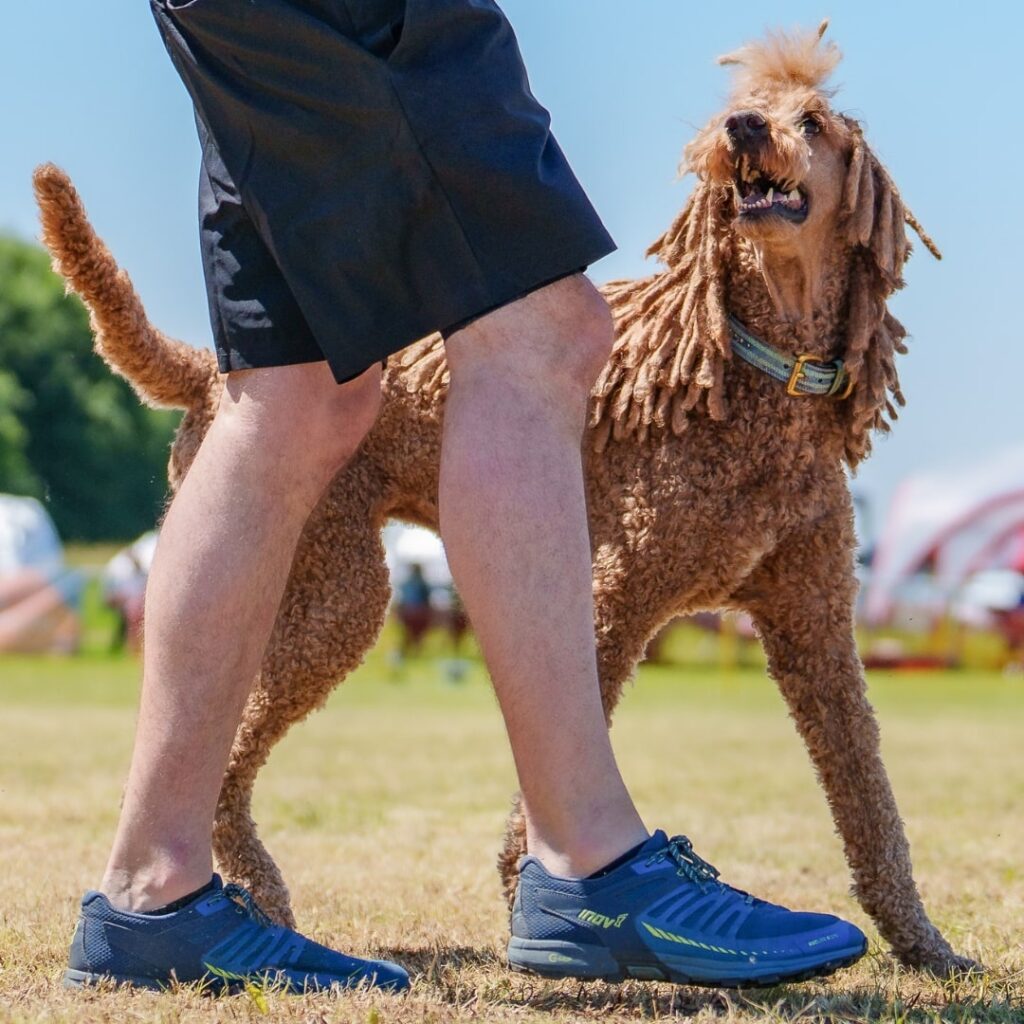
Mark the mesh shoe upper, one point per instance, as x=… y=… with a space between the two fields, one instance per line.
x=221 y=934
x=667 y=900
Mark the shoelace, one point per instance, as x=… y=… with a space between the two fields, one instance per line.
x=691 y=866
x=688 y=863
x=244 y=900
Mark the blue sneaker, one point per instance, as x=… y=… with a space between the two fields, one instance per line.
x=221 y=938
x=664 y=916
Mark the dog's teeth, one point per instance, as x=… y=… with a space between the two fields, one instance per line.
x=794 y=196
x=771 y=196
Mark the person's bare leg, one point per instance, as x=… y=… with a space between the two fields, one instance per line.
x=514 y=523
x=220 y=570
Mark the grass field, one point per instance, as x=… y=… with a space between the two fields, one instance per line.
x=386 y=811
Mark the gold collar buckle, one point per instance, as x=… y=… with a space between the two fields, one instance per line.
x=798 y=375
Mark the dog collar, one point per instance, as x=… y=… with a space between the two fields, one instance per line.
x=803 y=375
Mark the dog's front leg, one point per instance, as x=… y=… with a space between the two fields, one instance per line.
x=802 y=602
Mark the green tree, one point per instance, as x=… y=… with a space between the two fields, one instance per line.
x=71 y=433
x=15 y=472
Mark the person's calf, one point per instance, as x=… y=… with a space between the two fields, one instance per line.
x=216 y=584
x=511 y=460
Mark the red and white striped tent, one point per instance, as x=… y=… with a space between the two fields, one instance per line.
x=953 y=523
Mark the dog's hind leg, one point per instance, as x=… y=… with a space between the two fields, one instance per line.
x=324 y=628
x=802 y=601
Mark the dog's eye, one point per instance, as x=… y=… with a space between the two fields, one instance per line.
x=810 y=125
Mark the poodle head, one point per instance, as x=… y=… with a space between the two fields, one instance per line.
x=780 y=174
x=779 y=149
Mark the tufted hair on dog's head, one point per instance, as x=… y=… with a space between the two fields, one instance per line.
x=779 y=168
x=785 y=59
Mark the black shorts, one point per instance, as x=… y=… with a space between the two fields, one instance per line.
x=373 y=171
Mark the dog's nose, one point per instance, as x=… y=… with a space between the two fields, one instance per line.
x=746 y=127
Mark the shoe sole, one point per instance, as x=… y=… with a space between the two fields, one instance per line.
x=216 y=986
x=87 y=979
x=551 y=959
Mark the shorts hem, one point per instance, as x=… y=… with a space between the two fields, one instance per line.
x=460 y=325
x=259 y=349
x=462 y=310
x=232 y=359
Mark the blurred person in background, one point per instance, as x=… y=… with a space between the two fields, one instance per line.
x=39 y=595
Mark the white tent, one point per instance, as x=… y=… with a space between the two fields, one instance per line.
x=406 y=545
x=37 y=592
x=953 y=523
x=124 y=580
x=125 y=575
x=28 y=538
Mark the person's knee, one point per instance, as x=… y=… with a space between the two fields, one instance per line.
x=353 y=408
x=586 y=335
x=302 y=413
x=557 y=338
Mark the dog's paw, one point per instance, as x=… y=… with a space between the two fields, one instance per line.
x=954 y=966
x=937 y=957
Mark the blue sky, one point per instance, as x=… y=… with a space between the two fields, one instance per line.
x=89 y=86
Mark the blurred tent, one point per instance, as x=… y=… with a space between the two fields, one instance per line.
x=406 y=546
x=418 y=568
x=38 y=594
x=945 y=527
x=989 y=592
x=124 y=587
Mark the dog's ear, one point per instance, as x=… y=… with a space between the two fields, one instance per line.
x=706 y=156
x=673 y=329
x=875 y=222
x=875 y=218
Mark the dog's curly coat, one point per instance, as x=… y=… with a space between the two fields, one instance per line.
x=708 y=486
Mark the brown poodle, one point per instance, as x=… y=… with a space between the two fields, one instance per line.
x=710 y=485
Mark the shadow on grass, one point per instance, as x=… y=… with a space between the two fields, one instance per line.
x=478 y=975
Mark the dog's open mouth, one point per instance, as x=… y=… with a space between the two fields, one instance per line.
x=760 y=196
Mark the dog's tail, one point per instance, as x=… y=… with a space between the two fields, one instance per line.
x=163 y=372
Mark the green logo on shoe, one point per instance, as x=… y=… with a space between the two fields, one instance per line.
x=602 y=920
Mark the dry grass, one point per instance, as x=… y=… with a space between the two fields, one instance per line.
x=386 y=810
